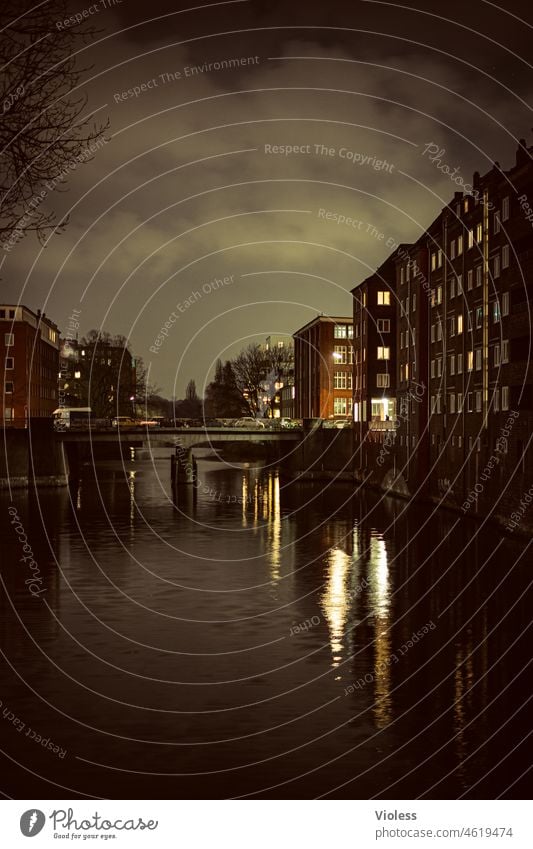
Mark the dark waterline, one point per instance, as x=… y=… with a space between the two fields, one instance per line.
x=258 y=640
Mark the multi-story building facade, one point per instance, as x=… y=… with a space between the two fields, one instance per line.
x=374 y=342
x=29 y=358
x=279 y=351
x=480 y=263
x=108 y=376
x=461 y=355
x=323 y=368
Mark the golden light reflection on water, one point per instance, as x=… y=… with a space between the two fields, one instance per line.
x=131 y=487
x=261 y=508
x=274 y=527
x=380 y=599
x=335 y=600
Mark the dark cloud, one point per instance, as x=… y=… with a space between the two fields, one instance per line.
x=184 y=192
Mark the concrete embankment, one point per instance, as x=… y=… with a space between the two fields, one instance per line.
x=32 y=456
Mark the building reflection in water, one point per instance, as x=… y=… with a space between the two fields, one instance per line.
x=261 y=500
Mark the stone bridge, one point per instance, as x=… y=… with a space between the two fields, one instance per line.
x=202 y=437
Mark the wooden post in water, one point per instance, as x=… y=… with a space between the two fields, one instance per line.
x=183 y=467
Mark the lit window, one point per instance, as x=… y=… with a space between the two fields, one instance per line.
x=339 y=331
x=505 y=397
x=439 y=258
x=439 y=294
x=339 y=354
x=469 y=360
x=459 y=245
x=459 y=409
x=505 y=215
x=470 y=238
x=383 y=380
x=339 y=380
x=433 y=261
x=9 y=339
x=383 y=299
x=479 y=233
x=505 y=256
x=340 y=406
x=383 y=353
x=8 y=413
x=459 y=324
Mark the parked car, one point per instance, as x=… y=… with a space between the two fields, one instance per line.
x=124 y=422
x=288 y=423
x=250 y=422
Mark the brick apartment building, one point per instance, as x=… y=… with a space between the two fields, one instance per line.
x=29 y=358
x=323 y=361
x=461 y=352
x=374 y=375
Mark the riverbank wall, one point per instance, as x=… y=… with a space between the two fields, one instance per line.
x=32 y=457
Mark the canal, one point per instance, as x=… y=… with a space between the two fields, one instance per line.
x=257 y=639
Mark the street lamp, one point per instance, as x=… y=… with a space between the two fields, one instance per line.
x=132 y=399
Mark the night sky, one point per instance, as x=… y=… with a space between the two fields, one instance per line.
x=185 y=190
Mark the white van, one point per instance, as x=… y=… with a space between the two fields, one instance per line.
x=67 y=418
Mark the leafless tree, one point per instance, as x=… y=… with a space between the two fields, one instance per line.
x=46 y=131
x=250 y=369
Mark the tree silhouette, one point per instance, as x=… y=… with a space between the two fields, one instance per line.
x=45 y=132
